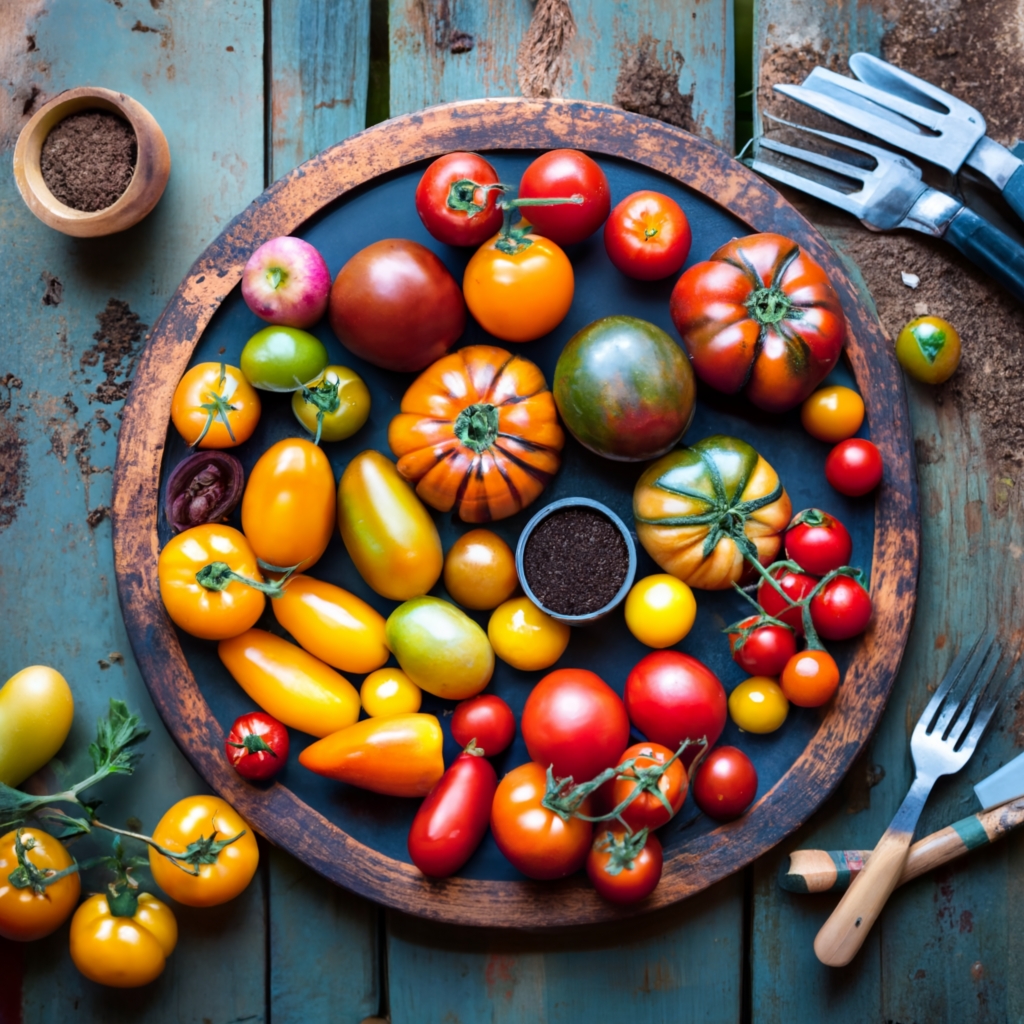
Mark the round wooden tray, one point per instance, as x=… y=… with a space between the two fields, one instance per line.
x=816 y=749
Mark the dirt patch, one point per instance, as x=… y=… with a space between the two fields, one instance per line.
x=117 y=340
x=94 y=518
x=542 y=62
x=649 y=84
x=13 y=458
x=54 y=289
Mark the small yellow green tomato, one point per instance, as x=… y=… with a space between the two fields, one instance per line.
x=660 y=610
x=389 y=691
x=758 y=705
x=36 y=709
x=928 y=348
x=526 y=637
x=336 y=404
x=833 y=414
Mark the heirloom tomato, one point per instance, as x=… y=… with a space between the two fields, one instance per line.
x=832 y=414
x=123 y=951
x=700 y=511
x=27 y=914
x=660 y=795
x=478 y=433
x=486 y=720
x=389 y=691
x=928 y=348
x=841 y=609
x=257 y=746
x=726 y=783
x=564 y=174
x=399 y=755
x=761 y=317
x=525 y=637
x=758 y=705
x=796 y=586
x=761 y=647
x=810 y=678
x=334 y=406
x=625 y=389
x=818 y=542
x=205 y=487
x=647 y=236
x=283 y=359
x=214 y=406
x=36 y=711
x=480 y=571
x=457 y=201
x=222 y=873
x=624 y=867
x=660 y=610
x=388 y=534
x=854 y=467
x=289 y=683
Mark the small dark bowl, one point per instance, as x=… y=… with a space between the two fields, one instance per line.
x=557 y=506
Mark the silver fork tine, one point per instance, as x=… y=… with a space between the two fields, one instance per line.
x=953 y=673
x=1008 y=681
x=873 y=71
x=850 y=202
x=883 y=156
x=817 y=159
x=981 y=690
x=972 y=673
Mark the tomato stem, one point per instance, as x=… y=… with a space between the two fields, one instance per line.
x=462 y=195
x=767 y=306
x=622 y=850
x=30 y=876
x=217 y=408
x=219 y=575
x=253 y=744
x=477 y=426
x=513 y=240
x=324 y=396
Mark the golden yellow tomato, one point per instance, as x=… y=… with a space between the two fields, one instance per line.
x=660 y=610
x=526 y=637
x=214 y=406
x=758 y=705
x=480 y=570
x=389 y=691
x=36 y=709
x=334 y=406
x=928 y=348
x=832 y=414
x=26 y=915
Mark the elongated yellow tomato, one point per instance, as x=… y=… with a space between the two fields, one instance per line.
x=289 y=683
x=36 y=709
x=332 y=624
x=388 y=533
x=25 y=914
x=123 y=951
x=398 y=756
x=288 y=505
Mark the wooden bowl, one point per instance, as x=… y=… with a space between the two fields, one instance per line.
x=152 y=165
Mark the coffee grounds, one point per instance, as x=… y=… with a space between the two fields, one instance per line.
x=88 y=159
x=575 y=561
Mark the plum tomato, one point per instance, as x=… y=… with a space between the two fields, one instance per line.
x=726 y=784
x=257 y=746
x=760 y=647
x=334 y=406
x=480 y=571
x=810 y=678
x=648 y=809
x=841 y=609
x=624 y=867
x=928 y=348
x=796 y=586
x=214 y=406
x=832 y=414
x=758 y=705
x=647 y=236
x=660 y=610
x=488 y=720
x=526 y=637
x=389 y=691
x=817 y=542
x=454 y=202
x=283 y=359
x=562 y=174
x=854 y=467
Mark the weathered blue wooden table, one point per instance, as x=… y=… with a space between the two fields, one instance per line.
x=247 y=89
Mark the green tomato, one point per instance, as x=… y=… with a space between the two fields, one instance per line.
x=334 y=406
x=283 y=359
x=36 y=709
x=928 y=348
x=440 y=648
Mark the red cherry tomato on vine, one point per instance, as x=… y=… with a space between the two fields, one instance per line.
x=620 y=868
x=726 y=784
x=647 y=809
x=841 y=609
x=564 y=173
x=257 y=746
x=796 y=586
x=762 y=650
x=647 y=236
x=818 y=542
x=464 y=216
x=810 y=679
x=854 y=467
x=486 y=719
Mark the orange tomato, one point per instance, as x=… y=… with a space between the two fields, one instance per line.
x=832 y=414
x=809 y=678
x=214 y=406
x=26 y=915
x=480 y=570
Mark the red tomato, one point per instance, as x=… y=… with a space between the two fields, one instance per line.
x=818 y=542
x=257 y=746
x=453 y=818
x=574 y=721
x=647 y=236
x=726 y=783
x=564 y=173
x=810 y=679
x=854 y=467
x=538 y=842
x=671 y=696
x=624 y=868
x=464 y=216
x=796 y=586
x=762 y=650
x=841 y=609
x=486 y=719
x=647 y=809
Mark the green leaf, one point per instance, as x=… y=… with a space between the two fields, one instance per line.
x=73 y=827
x=15 y=806
x=115 y=735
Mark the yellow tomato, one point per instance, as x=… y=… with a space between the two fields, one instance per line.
x=214 y=406
x=389 y=691
x=36 y=709
x=26 y=915
x=660 y=610
x=332 y=624
x=123 y=952
x=228 y=872
x=526 y=637
x=290 y=684
x=832 y=414
x=758 y=705
x=336 y=404
x=480 y=570
x=289 y=504
x=928 y=348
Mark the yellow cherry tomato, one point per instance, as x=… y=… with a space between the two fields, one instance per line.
x=928 y=348
x=526 y=637
x=334 y=406
x=660 y=610
x=123 y=952
x=389 y=691
x=480 y=570
x=36 y=709
x=289 y=504
x=25 y=914
x=214 y=406
x=289 y=683
x=832 y=414
x=332 y=624
x=211 y=602
x=758 y=705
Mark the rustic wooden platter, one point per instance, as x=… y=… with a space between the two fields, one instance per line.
x=360 y=191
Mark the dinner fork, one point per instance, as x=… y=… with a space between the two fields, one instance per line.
x=943 y=740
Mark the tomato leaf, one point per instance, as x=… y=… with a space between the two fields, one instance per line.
x=116 y=733
x=15 y=806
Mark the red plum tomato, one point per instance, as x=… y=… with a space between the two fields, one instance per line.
x=257 y=746
x=762 y=648
x=818 y=542
x=647 y=236
x=854 y=467
x=841 y=609
x=465 y=214
x=726 y=784
x=488 y=720
x=562 y=174
x=622 y=870
x=796 y=586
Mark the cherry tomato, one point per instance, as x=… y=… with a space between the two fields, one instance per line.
x=647 y=236
x=796 y=586
x=648 y=810
x=283 y=359
x=465 y=215
x=832 y=414
x=818 y=543
x=453 y=818
x=486 y=719
x=525 y=637
x=257 y=746
x=26 y=915
x=841 y=609
x=760 y=647
x=389 y=691
x=660 y=610
x=334 y=406
x=538 y=842
x=214 y=406
x=480 y=570
x=928 y=348
x=624 y=868
x=726 y=783
x=854 y=467
x=758 y=705
x=810 y=678
x=563 y=173
x=574 y=721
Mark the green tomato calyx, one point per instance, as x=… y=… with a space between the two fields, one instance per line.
x=622 y=850
x=219 y=576
x=767 y=306
x=253 y=744
x=324 y=397
x=477 y=426
x=931 y=340
x=462 y=195
x=28 y=875
x=122 y=901
x=217 y=408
